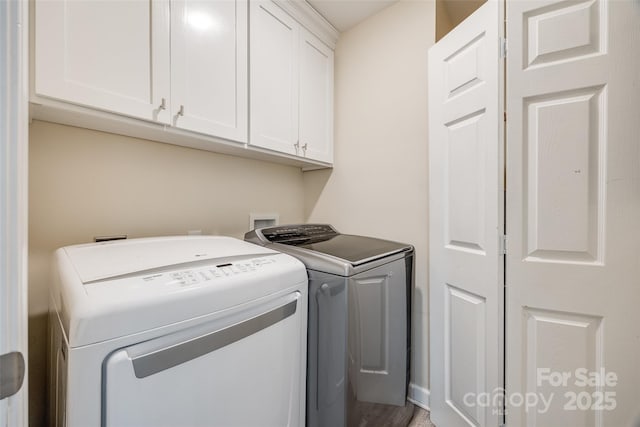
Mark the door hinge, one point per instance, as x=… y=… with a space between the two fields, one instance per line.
x=503 y=244
x=503 y=47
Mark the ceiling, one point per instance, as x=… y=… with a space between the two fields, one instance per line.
x=344 y=14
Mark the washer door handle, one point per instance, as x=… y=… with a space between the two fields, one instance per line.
x=12 y=370
x=331 y=343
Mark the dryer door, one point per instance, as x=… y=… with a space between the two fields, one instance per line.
x=242 y=370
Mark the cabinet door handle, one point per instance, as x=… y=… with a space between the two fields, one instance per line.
x=297 y=146
x=181 y=111
x=304 y=149
x=163 y=105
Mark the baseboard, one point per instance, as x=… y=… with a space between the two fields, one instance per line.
x=419 y=396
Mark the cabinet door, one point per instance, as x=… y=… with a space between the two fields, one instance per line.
x=316 y=98
x=274 y=78
x=108 y=55
x=209 y=67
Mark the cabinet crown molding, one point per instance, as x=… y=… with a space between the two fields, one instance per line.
x=311 y=19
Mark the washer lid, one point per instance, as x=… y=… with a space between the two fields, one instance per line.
x=355 y=249
x=101 y=261
x=324 y=239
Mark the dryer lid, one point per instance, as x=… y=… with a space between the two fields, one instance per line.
x=111 y=290
x=108 y=260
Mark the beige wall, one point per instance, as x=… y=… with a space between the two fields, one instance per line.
x=379 y=184
x=450 y=13
x=86 y=183
x=443 y=21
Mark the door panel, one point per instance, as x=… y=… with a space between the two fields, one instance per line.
x=573 y=195
x=108 y=55
x=552 y=339
x=573 y=204
x=378 y=334
x=464 y=338
x=466 y=221
x=465 y=181
x=209 y=67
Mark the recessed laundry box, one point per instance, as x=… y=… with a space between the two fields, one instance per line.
x=177 y=331
x=359 y=340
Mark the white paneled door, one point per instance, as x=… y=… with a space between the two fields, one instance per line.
x=13 y=213
x=466 y=221
x=573 y=212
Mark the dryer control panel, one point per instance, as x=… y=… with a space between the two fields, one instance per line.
x=193 y=276
x=169 y=280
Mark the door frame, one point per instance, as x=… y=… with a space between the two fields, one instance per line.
x=14 y=95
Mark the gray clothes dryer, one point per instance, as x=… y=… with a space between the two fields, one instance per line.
x=359 y=335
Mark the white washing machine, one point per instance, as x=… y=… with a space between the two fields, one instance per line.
x=177 y=331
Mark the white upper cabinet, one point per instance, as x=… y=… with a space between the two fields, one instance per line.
x=180 y=71
x=112 y=56
x=316 y=98
x=209 y=67
x=181 y=62
x=274 y=78
x=291 y=79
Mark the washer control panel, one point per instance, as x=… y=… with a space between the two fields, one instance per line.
x=289 y=233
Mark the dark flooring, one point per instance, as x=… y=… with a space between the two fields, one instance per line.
x=421 y=418
x=364 y=414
